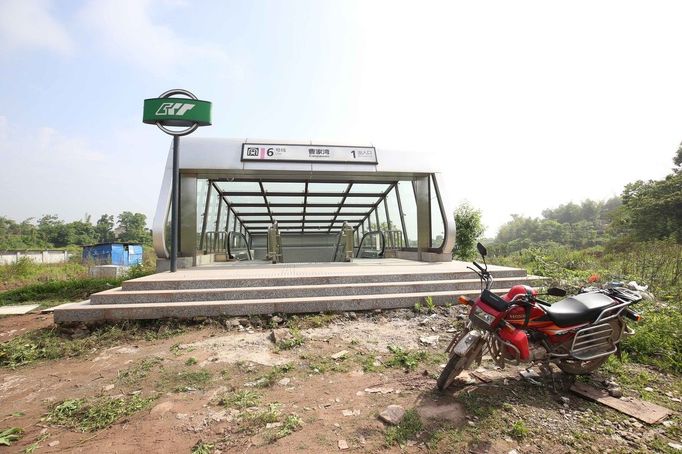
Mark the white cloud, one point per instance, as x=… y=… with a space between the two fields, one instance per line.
x=29 y=24
x=125 y=29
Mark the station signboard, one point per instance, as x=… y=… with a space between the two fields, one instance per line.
x=308 y=153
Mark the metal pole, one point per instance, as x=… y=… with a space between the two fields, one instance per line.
x=175 y=207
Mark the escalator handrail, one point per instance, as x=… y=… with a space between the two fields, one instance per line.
x=246 y=241
x=338 y=243
x=383 y=242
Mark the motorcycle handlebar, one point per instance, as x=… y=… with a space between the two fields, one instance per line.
x=478 y=266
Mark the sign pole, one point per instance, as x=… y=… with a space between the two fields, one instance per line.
x=168 y=112
x=175 y=206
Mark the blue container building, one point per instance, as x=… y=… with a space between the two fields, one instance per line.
x=122 y=254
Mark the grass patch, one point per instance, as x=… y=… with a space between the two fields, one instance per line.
x=408 y=429
x=273 y=375
x=191 y=361
x=518 y=430
x=203 y=448
x=404 y=359
x=136 y=373
x=657 y=340
x=252 y=422
x=310 y=321
x=58 y=291
x=296 y=340
x=89 y=415
x=9 y=436
x=52 y=343
x=369 y=364
x=240 y=399
x=291 y=424
x=323 y=364
x=183 y=381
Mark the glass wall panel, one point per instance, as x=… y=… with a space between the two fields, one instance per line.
x=383 y=222
x=394 y=211
x=437 y=225
x=409 y=205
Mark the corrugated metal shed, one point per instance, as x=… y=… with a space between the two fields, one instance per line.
x=122 y=254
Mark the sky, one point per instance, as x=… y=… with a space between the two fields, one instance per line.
x=526 y=104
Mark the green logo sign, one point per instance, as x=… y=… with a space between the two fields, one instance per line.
x=177 y=112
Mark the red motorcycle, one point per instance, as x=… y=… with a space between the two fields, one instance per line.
x=578 y=333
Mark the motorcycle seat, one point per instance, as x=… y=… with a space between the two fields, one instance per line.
x=577 y=309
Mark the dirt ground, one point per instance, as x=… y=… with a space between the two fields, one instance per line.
x=326 y=383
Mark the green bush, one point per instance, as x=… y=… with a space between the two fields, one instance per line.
x=71 y=290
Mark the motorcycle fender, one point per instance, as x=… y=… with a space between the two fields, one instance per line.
x=466 y=343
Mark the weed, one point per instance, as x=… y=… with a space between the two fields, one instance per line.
x=9 y=436
x=273 y=375
x=430 y=305
x=240 y=399
x=191 y=361
x=404 y=359
x=58 y=291
x=369 y=364
x=407 y=429
x=322 y=364
x=251 y=422
x=418 y=308
x=88 y=415
x=518 y=430
x=296 y=340
x=30 y=449
x=184 y=381
x=139 y=371
x=203 y=448
x=310 y=321
x=292 y=423
x=52 y=343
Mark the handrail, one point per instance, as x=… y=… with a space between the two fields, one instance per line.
x=373 y=232
x=230 y=235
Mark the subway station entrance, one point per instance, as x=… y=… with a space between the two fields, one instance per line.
x=264 y=202
x=291 y=228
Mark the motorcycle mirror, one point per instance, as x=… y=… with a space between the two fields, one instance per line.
x=481 y=249
x=554 y=291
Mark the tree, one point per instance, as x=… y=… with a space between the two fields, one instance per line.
x=677 y=160
x=104 y=230
x=469 y=230
x=133 y=228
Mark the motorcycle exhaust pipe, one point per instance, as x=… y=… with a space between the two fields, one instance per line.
x=632 y=315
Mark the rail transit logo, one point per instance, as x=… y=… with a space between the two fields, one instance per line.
x=174 y=108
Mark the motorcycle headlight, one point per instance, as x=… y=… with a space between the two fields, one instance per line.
x=483 y=316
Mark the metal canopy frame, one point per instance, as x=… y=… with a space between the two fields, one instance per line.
x=309 y=213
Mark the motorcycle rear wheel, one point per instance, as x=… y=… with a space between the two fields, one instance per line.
x=457 y=364
x=576 y=367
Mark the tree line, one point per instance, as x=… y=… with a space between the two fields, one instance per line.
x=645 y=211
x=51 y=232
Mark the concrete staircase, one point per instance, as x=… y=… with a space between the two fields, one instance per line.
x=294 y=290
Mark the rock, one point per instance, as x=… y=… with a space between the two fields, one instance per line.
x=380 y=389
x=675 y=446
x=343 y=445
x=393 y=414
x=181 y=416
x=234 y=323
x=352 y=315
x=285 y=381
x=109 y=387
x=429 y=340
x=276 y=319
x=513 y=451
x=649 y=389
x=162 y=408
x=273 y=425
x=244 y=321
x=350 y=412
x=52 y=444
x=280 y=334
x=471 y=423
x=340 y=354
x=564 y=400
x=615 y=391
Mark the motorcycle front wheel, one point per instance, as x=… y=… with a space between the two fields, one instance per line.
x=457 y=364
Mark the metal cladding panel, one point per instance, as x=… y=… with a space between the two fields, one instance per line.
x=225 y=154
x=99 y=254
x=135 y=254
x=117 y=257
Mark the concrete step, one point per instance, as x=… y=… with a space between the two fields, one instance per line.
x=166 y=282
x=119 y=295
x=87 y=312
